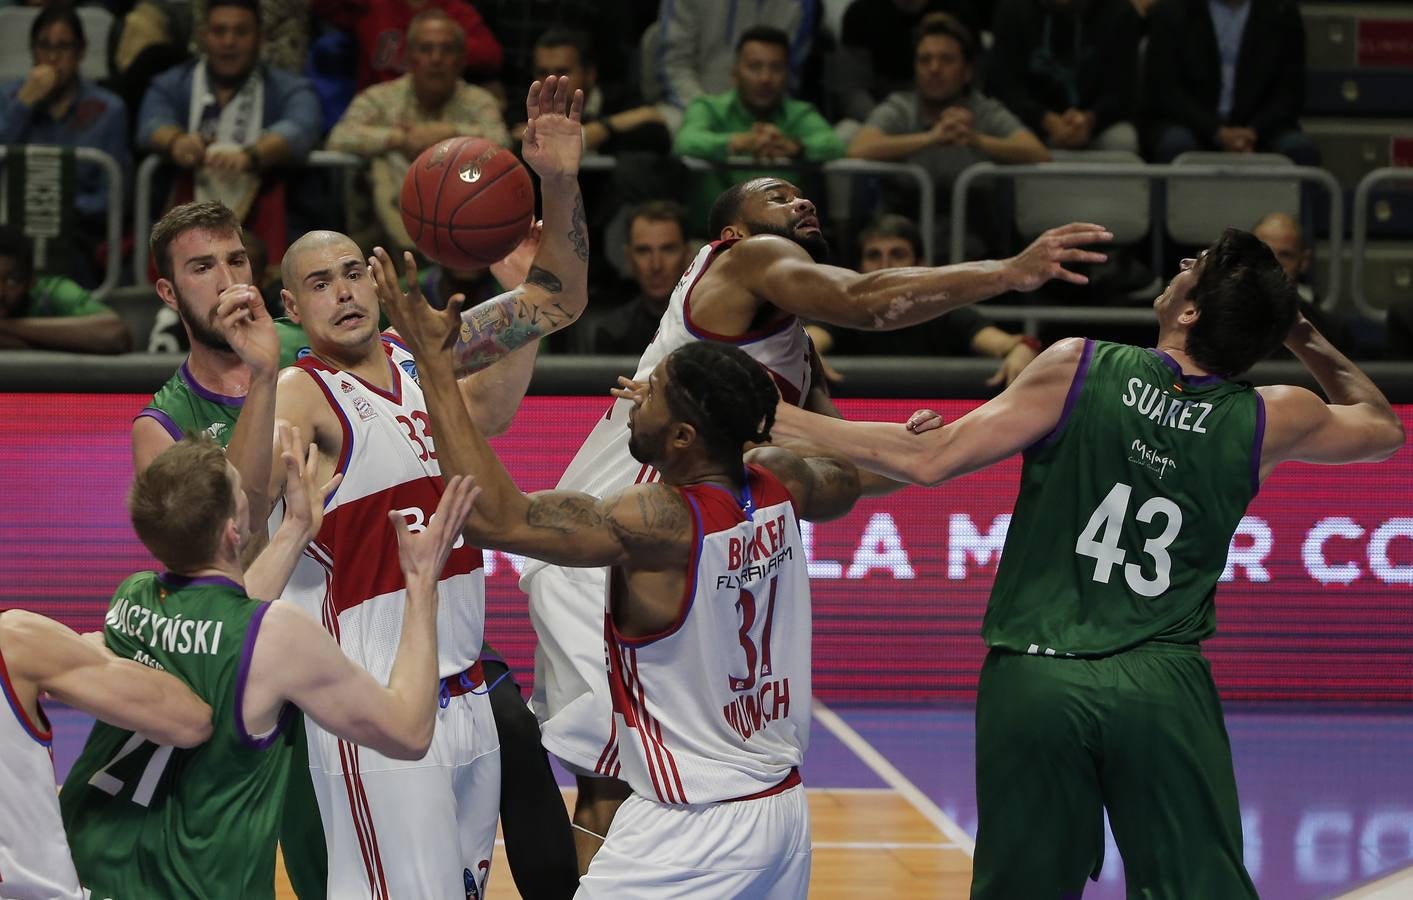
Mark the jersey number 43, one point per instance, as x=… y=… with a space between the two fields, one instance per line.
x=1105 y=549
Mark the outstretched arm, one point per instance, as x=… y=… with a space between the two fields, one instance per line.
x=825 y=485
x=266 y=577
x=87 y=676
x=1357 y=425
x=781 y=273
x=1024 y=413
x=296 y=660
x=871 y=484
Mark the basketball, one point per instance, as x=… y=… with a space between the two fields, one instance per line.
x=467 y=202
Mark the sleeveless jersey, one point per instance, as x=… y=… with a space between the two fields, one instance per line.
x=1126 y=509
x=155 y=821
x=603 y=464
x=182 y=406
x=717 y=707
x=34 y=855
x=349 y=577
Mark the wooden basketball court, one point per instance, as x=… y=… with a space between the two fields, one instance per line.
x=869 y=838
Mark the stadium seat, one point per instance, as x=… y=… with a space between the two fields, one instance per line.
x=1122 y=204
x=1351 y=148
x=1198 y=210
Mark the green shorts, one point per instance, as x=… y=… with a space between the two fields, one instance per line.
x=301 y=829
x=1140 y=734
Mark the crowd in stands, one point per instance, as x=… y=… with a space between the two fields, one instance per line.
x=233 y=95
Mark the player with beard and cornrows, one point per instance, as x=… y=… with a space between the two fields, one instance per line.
x=751 y=287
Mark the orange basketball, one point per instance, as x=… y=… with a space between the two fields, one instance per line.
x=467 y=202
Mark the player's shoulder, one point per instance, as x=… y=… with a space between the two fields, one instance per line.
x=1289 y=404
x=653 y=508
x=763 y=249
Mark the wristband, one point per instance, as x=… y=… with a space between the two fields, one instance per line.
x=1028 y=341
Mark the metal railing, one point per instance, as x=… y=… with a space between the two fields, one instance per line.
x=850 y=168
x=1360 y=235
x=115 y=211
x=1032 y=315
x=142 y=198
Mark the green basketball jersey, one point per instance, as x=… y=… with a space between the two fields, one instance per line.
x=183 y=406
x=149 y=821
x=1126 y=509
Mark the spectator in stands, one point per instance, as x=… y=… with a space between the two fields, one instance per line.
x=754 y=119
x=284 y=32
x=696 y=45
x=944 y=124
x=610 y=127
x=392 y=122
x=1226 y=75
x=381 y=25
x=892 y=241
x=55 y=105
x=50 y=312
x=657 y=255
x=232 y=121
x=1281 y=233
x=873 y=59
x=520 y=24
x=1068 y=69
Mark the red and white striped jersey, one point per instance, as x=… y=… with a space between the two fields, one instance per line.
x=34 y=854
x=717 y=707
x=349 y=576
x=603 y=464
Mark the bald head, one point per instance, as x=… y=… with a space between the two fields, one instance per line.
x=295 y=266
x=1281 y=233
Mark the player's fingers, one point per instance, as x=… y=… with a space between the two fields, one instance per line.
x=576 y=106
x=561 y=97
x=414 y=287
x=997 y=378
x=1072 y=277
x=532 y=103
x=399 y=525
x=1076 y=238
x=454 y=305
x=1076 y=226
x=1076 y=254
x=331 y=485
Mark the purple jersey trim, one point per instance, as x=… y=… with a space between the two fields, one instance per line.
x=162 y=419
x=205 y=394
x=1178 y=373
x=1256 y=443
x=252 y=630
x=1081 y=372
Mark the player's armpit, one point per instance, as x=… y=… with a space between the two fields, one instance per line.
x=118 y=691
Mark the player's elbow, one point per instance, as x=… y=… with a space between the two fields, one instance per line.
x=412 y=743
x=1389 y=439
x=190 y=728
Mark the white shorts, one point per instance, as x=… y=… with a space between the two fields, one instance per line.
x=397 y=828
x=571 y=697
x=746 y=850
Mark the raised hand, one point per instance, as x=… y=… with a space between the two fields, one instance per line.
x=1044 y=259
x=424 y=555
x=554 y=139
x=427 y=331
x=304 y=502
x=628 y=389
x=248 y=328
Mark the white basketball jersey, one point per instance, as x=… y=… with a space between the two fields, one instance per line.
x=717 y=707
x=34 y=854
x=349 y=577
x=603 y=464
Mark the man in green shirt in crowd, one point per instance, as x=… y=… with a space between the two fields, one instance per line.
x=755 y=119
x=50 y=312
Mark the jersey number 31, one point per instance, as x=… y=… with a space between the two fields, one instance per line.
x=1106 y=552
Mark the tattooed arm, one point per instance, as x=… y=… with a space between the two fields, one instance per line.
x=825 y=486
